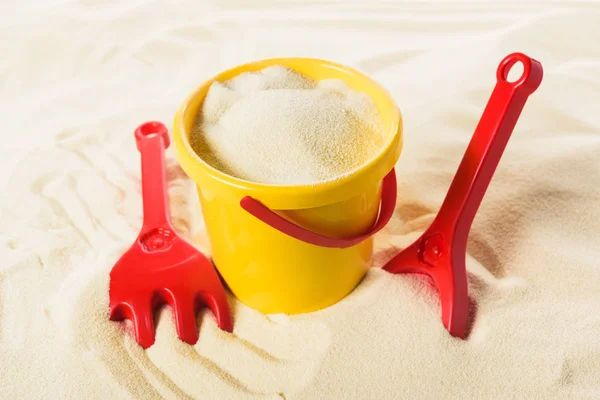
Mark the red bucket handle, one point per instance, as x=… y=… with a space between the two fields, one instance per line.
x=274 y=220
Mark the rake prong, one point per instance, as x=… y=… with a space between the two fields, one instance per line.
x=143 y=321
x=185 y=318
x=119 y=312
x=217 y=302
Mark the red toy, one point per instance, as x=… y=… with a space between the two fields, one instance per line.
x=440 y=251
x=161 y=267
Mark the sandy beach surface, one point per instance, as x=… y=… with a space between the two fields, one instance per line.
x=79 y=76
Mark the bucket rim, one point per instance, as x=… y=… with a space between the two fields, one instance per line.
x=289 y=197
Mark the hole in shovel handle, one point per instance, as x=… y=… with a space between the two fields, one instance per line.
x=530 y=78
x=274 y=220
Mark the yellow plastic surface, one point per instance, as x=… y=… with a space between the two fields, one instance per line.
x=263 y=267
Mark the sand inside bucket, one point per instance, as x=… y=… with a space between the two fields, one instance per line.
x=278 y=126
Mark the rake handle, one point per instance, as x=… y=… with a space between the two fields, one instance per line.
x=152 y=138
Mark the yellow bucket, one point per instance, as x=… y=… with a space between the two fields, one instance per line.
x=294 y=249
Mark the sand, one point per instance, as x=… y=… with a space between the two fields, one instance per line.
x=278 y=126
x=76 y=86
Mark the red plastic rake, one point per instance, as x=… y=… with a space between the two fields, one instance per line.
x=161 y=267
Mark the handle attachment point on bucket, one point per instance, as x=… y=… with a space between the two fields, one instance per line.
x=269 y=217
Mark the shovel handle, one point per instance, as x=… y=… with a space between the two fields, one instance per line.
x=487 y=145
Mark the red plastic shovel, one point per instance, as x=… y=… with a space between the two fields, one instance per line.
x=440 y=251
x=161 y=267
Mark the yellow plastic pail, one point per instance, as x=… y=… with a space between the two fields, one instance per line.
x=294 y=249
